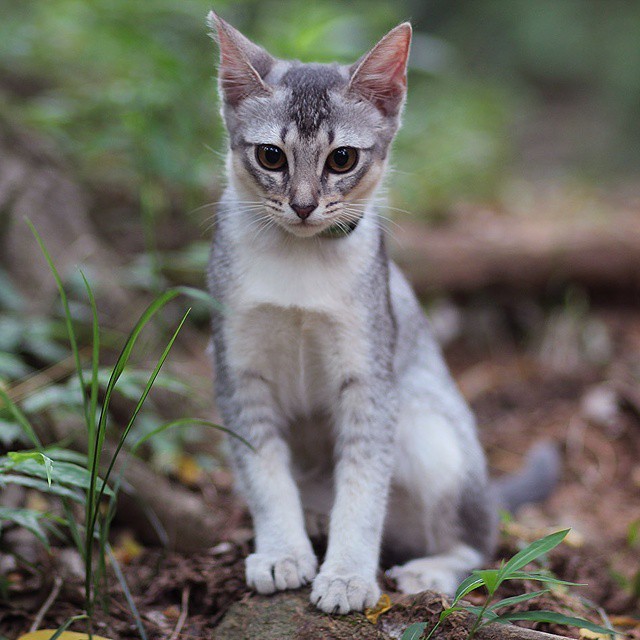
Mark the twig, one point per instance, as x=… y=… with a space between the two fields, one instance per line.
x=57 y=585
x=183 y=613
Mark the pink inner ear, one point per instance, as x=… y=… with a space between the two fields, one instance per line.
x=238 y=78
x=381 y=77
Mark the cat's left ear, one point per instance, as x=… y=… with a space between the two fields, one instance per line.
x=381 y=75
x=243 y=64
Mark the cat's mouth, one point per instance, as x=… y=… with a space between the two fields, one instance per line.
x=332 y=223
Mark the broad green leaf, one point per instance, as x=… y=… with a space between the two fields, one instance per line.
x=40 y=458
x=66 y=455
x=35 y=483
x=467 y=586
x=10 y=432
x=490 y=578
x=414 y=631
x=532 y=551
x=65 y=473
x=554 y=617
x=516 y=599
x=27 y=518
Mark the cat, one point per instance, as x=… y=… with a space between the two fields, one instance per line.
x=324 y=360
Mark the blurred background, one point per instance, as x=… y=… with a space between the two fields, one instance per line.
x=514 y=193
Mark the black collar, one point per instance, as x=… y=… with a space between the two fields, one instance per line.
x=339 y=230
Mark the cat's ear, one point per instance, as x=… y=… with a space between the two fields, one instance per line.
x=381 y=75
x=243 y=64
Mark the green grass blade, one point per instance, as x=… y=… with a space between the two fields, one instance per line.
x=181 y=422
x=203 y=296
x=414 y=631
x=95 y=361
x=468 y=585
x=486 y=613
x=127 y=593
x=141 y=401
x=98 y=443
x=523 y=597
x=20 y=418
x=73 y=527
x=553 y=617
x=542 y=577
x=67 y=315
x=532 y=551
x=66 y=625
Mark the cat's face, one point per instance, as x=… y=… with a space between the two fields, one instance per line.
x=308 y=142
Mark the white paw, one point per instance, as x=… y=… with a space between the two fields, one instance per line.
x=268 y=573
x=341 y=593
x=414 y=579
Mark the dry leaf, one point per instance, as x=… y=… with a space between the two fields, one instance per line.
x=188 y=470
x=373 y=613
x=45 y=634
x=586 y=634
x=625 y=621
x=127 y=548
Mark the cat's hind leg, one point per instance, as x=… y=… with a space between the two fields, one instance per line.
x=441 y=519
x=441 y=572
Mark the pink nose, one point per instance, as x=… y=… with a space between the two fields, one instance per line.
x=303 y=212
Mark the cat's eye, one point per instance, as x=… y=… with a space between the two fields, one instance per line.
x=342 y=159
x=271 y=157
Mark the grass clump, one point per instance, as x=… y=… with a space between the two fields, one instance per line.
x=491 y=579
x=74 y=478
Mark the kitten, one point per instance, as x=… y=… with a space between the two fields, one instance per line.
x=324 y=360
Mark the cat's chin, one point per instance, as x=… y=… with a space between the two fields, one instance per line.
x=303 y=230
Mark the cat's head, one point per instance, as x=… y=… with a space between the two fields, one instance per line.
x=309 y=142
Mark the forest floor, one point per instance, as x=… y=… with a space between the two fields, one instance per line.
x=552 y=388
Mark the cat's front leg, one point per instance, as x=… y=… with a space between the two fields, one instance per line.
x=347 y=578
x=283 y=558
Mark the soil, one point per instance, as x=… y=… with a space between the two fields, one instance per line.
x=522 y=391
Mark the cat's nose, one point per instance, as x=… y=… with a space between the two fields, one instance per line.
x=303 y=212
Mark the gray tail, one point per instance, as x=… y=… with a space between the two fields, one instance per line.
x=535 y=482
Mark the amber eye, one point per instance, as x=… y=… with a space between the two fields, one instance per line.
x=342 y=159
x=271 y=157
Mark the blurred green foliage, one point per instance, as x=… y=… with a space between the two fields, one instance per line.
x=126 y=86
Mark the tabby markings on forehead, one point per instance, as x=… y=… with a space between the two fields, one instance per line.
x=309 y=105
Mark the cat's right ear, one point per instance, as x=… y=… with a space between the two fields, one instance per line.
x=243 y=64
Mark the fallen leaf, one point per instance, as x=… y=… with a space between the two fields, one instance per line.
x=587 y=634
x=373 y=613
x=127 y=548
x=45 y=634
x=188 y=470
x=625 y=621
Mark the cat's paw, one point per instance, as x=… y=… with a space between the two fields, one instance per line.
x=334 y=592
x=414 y=579
x=267 y=573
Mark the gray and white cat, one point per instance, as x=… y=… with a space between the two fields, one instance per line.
x=324 y=360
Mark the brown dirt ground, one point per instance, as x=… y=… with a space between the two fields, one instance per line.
x=520 y=395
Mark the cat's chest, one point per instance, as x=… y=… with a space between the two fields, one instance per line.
x=294 y=349
x=314 y=280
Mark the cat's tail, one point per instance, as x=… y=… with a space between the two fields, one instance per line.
x=534 y=482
